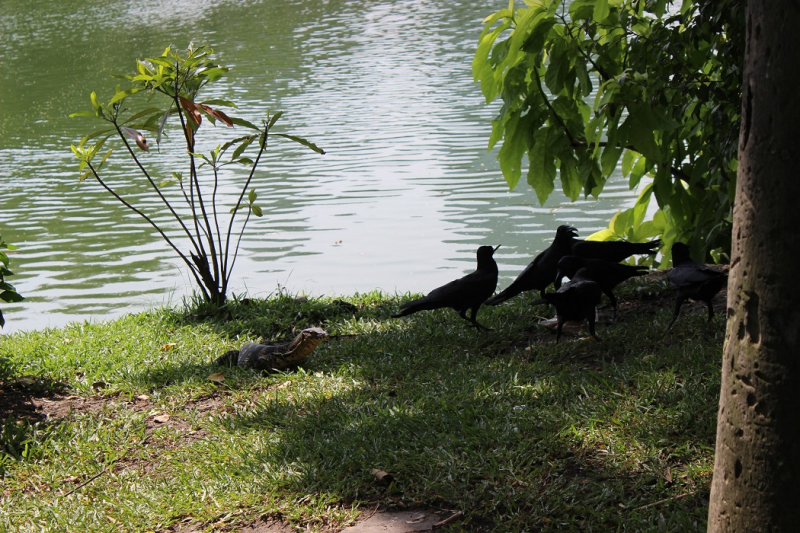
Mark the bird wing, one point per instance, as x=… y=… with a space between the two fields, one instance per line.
x=459 y=294
x=691 y=274
x=576 y=300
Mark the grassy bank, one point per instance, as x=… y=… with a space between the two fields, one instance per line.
x=116 y=426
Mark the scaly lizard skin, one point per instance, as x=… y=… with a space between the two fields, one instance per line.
x=276 y=356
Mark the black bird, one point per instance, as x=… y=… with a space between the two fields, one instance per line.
x=607 y=275
x=613 y=251
x=542 y=270
x=462 y=294
x=576 y=300
x=693 y=281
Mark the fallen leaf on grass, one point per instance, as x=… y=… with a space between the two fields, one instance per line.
x=161 y=419
x=27 y=381
x=169 y=346
x=219 y=377
x=143 y=397
x=382 y=476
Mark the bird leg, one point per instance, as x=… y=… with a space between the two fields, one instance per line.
x=710 y=310
x=678 y=303
x=591 y=326
x=475 y=323
x=613 y=303
x=558 y=328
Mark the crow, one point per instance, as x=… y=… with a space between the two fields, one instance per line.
x=576 y=300
x=693 y=281
x=462 y=294
x=542 y=270
x=607 y=275
x=613 y=251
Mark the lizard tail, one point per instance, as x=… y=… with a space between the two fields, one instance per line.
x=228 y=358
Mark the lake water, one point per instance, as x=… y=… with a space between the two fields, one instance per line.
x=401 y=201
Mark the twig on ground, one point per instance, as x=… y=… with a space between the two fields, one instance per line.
x=86 y=482
x=665 y=500
x=449 y=519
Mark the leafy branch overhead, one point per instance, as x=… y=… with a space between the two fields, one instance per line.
x=175 y=80
x=653 y=87
x=8 y=293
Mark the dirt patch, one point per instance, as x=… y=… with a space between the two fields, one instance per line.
x=262 y=524
x=30 y=401
x=376 y=521
x=24 y=397
x=404 y=521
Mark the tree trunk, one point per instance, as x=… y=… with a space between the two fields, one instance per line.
x=756 y=485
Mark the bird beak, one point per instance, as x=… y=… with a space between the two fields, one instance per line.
x=496 y=247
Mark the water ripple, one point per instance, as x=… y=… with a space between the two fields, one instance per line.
x=405 y=194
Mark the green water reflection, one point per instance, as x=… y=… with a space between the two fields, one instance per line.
x=401 y=201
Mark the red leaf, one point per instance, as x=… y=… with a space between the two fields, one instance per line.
x=191 y=110
x=217 y=114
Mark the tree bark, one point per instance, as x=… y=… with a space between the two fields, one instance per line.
x=756 y=485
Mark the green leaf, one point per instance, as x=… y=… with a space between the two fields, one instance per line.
x=642 y=203
x=662 y=186
x=244 y=123
x=274 y=119
x=302 y=141
x=642 y=139
x=621 y=221
x=83 y=114
x=601 y=10
x=142 y=113
x=213 y=74
x=103 y=161
x=218 y=102
x=603 y=235
x=510 y=156
x=652 y=117
x=628 y=159
x=242 y=147
x=11 y=296
x=124 y=94
x=542 y=169
x=256 y=210
x=534 y=42
x=95 y=103
x=638 y=171
x=96 y=134
x=582 y=9
x=570 y=179
x=609 y=158
x=251 y=196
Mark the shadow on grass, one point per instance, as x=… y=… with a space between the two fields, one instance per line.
x=518 y=441
x=21 y=422
x=278 y=317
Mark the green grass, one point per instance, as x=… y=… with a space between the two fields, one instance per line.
x=517 y=432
